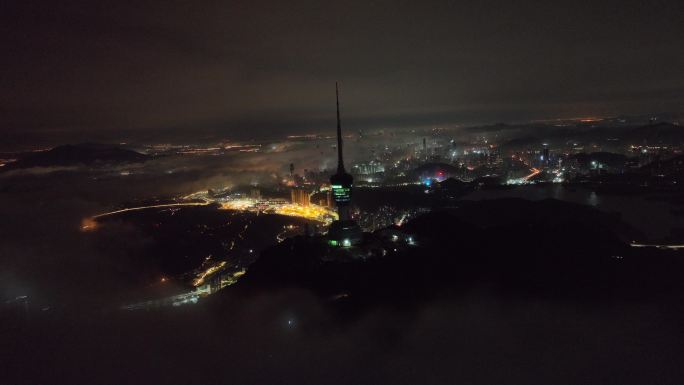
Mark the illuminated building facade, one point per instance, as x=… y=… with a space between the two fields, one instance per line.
x=323 y=198
x=367 y=169
x=300 y=196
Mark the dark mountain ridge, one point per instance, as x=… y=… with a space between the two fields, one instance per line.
x=87 y=154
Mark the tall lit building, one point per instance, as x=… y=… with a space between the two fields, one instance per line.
x=345 y=231
x=323 y=198
x=425 y=153
x=300 y=196
x=368 y=168
x=545 y=157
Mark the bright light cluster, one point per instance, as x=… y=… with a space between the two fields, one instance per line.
x=313 y=212
x=238 y=204
x=199 y=281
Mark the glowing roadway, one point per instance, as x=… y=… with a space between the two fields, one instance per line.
x=535 y=171
x=205 y=203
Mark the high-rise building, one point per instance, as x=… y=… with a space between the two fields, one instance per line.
x=345 y=231
x=323 y=198
x=545 y=157
x=300 y=196
x=494 y=158
x=425 y=153
x=368 y=168
x=329 y=202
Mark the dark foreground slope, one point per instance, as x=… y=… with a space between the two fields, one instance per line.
x=547 y=249
x=498 y=292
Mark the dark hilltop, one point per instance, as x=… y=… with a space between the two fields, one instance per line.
x=84 y=154
x=512 y=247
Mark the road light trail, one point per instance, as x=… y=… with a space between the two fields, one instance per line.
x=662 y=247
x=151 y=207
x=535 y=171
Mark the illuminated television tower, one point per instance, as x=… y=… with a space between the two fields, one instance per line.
x=345 y=231
x=341 y=182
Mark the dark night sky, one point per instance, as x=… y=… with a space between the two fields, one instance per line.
x=270 y=66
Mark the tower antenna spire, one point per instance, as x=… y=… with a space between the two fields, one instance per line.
x=340 y=160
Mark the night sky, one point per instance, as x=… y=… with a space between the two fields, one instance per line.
x=270 y=66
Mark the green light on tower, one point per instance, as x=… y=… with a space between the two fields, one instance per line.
x=341 y=194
